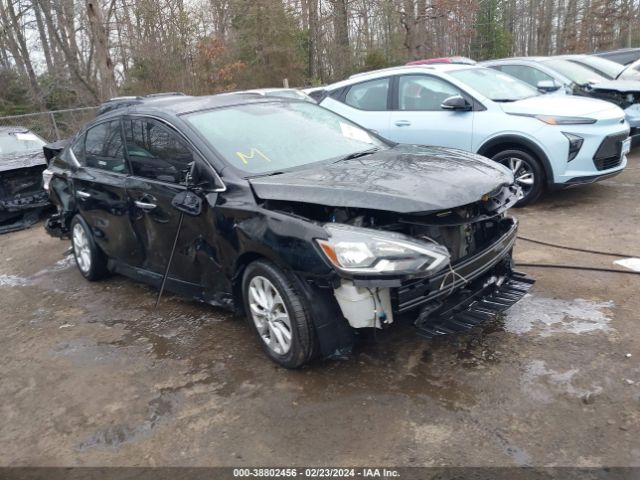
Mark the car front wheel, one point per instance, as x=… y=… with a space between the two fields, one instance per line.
x=276 y=313
x=527 y=173
x=90 y=260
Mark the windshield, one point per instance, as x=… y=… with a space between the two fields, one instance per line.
x=269 y=137
x=632 y=72
x=578 y=74
x=604 y=67
x=19 y=142
x=495 y=85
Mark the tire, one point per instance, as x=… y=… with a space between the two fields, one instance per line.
x=90 y=260
x=285 y=316
x=523 y=165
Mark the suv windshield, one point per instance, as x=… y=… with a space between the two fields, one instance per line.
x=260 y=138
x=604 y=67
x=495 y=85
x=578 y=74
x=19 y=142
x=632 y=72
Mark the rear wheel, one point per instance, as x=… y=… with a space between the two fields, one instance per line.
x=275 y=311
x=91 y=261
x=527 y=173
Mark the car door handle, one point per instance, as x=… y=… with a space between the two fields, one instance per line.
x=403 y=123
x=83 y=194
x=147 y=207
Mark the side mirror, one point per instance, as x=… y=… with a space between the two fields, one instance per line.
x=546 y=86
x=187 y=202
x=456 y=103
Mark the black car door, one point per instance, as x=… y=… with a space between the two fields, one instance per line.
x=159 y=159
x=99 y=190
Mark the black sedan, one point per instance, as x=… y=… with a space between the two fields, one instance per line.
x=308 y=224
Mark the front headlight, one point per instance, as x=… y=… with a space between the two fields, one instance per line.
x=363 y=250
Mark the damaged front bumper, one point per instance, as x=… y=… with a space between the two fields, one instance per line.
x=22 y=211
x=473 y=290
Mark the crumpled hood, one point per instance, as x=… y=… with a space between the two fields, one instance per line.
x=15 y=161
x=561 y=105
x=403 y=179
x=622 y=86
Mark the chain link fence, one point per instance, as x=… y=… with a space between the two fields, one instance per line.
x=53 y=125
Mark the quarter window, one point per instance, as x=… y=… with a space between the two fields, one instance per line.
x=371 y=95
x=103 y=148
x=156 y=152
x=424 y=92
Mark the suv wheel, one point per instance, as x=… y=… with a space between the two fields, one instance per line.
x=527 y=172
x=274 y=310
x=91 y=261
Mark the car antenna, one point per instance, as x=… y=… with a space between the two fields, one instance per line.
x=188 y=180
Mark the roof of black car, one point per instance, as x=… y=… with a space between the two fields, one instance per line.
x=184 y=103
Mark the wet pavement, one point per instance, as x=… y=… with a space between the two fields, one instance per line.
x=92 y=374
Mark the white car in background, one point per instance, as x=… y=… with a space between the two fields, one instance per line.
x=547 y=141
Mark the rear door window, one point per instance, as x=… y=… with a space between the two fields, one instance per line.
x=371 y=95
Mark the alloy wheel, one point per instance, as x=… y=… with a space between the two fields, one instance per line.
x=270 y=316
x=81 y=248
x=522 y=173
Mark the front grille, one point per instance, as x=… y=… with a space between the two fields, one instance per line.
x=609 y=152
x=415 y=293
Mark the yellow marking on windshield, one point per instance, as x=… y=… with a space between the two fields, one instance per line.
x=252 y=154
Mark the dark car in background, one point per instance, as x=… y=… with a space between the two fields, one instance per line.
x=22 y=196
x=309 y=224
x=623 y=56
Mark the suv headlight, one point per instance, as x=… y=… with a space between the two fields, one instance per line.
x=575 y=144
x=364 y=250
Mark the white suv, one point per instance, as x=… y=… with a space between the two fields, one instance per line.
x=548 y=141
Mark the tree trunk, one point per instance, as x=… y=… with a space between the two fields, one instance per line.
x=103 y=62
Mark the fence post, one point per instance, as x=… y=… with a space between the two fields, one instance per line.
x=55 y=126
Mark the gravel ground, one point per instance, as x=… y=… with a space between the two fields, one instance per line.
x=92 y=374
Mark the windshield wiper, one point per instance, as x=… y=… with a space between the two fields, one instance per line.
x=363 y=153
x=270 y=174
x=504 y=100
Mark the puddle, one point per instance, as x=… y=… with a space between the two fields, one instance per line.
x=115 y=435
x=549 y=316
x=544 y=384
x=13 y=281
x=17 y=281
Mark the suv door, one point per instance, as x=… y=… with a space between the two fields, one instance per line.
x=99 y=190
x=159 y=159
x=418 y=118
x=366 y=103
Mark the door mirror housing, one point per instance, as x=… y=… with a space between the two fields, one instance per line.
x=546 y=86
x=456 y=103
x=187 y=202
